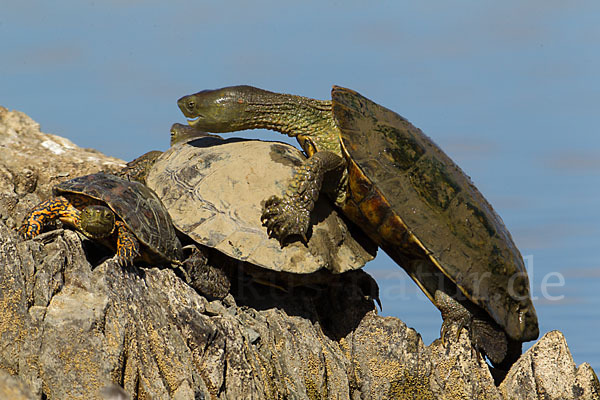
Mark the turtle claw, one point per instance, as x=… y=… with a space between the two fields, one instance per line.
x=125 y=261
x=23 y=231
x=126 y=255
x=444 y=332
x=304 y=239
x=453 y=314
x=447 y=328
x=284 y=217
x=128 y=246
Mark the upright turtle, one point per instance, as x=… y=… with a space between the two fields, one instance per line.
x=126 y=216
x=213 y=190
x=403 y=191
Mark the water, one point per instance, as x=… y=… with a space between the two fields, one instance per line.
x=510 y=90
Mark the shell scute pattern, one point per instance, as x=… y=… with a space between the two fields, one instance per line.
x=437 y=204
x=215 y=194
x=135 y=204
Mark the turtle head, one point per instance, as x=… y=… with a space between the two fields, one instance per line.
x=182 y=133
x=521 y=321
x=220 y=110
x=97 y=221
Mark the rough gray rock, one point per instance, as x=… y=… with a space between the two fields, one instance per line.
x=74 y=325
x=31 y=162
x=547 y=370
x=13 y=388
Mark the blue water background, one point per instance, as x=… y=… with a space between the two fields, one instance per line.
x=510 y=90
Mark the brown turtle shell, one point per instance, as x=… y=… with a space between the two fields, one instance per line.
x=427 y=214
x=136 y=205
x=214 y=189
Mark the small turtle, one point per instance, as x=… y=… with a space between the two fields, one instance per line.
x=403 y=191
x=126 y=216
x=213 y=189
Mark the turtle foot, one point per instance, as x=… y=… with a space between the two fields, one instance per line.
x=206 y=279
x=285 y=217
x=138 y=169
x=27 y=231
x=447 y=325
x=290 y=215
x=485 y=334
x=489 y=337
x=128 y=247
x=453 y=314
x=39 y=216
x=125 y=257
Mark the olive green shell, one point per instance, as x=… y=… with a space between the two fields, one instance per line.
x=425 y=212
x=214 y=190
x=136 y=205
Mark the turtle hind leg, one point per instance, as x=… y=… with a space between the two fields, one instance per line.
x=290 y=215
x=205 y=278
x=54 y=208
x=128 y=246
x=485 y=334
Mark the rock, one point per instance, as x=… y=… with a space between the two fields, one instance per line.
x=75 y=325
x=13 y=388
x=547 y=371
x=31 y=162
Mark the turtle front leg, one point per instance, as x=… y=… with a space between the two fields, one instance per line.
x=453 y=314
x=485 y=335
x=51 y=209
x=128 y=246
x=290 y=214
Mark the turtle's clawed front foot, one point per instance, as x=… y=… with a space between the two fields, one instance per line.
x=446 y=328
x=453 y=314
x=26 y=231
x=208 y=280
x=290 y=215
x=285 y=217
x=125 y=256
x=128 y=247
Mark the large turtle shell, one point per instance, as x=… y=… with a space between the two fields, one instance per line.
x=136 y=205
x=214 y=190
x=419 y=203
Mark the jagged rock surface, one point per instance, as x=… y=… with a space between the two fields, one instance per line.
x=76 y=326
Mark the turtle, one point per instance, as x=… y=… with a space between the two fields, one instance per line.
x=213 y=189
x=407 y=195
x=124 y=215
x=137 y=169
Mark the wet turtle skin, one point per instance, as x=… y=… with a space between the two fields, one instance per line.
x=141 y=218
x=402 y=190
